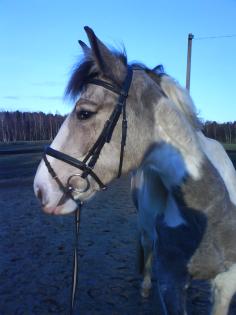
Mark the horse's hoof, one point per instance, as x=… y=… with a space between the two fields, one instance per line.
x=145 y=288
x=145 y=292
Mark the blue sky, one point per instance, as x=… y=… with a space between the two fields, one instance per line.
x=39 y=46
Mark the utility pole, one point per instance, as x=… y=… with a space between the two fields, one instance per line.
x=190 y=38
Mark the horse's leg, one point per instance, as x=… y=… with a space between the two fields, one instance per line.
x=149 y=196
x=174 y=297
x=224 y=287
x=140 y=255
x=146 y=285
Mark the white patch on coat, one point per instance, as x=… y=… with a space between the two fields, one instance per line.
x=42 y=176
x=62 y=135
x=43 y=180
x=224 y=287
x=220 y=160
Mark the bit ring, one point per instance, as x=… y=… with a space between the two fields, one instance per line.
x=78 y=190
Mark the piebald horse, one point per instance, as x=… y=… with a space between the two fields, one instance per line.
x=143 y=179
x=193 y=228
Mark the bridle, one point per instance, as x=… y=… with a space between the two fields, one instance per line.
x=88 y=163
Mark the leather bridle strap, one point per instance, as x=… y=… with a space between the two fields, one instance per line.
x=53 y=174
x=72 y=161
x=104 y=84
x=91 y=158
x=126 y=87
x=110 y=124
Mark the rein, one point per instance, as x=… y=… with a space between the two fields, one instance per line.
x=88 y=163
x=75 y=258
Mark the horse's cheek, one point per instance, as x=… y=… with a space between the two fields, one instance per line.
x=86 y=138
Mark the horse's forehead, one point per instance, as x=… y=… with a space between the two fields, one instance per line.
x=97 y=94
x=92 y=91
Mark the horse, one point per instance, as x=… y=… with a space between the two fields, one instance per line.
x=148 y=213
x=143 y=126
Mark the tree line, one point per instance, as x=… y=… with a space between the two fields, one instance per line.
x=26 y=126
x=224 y=132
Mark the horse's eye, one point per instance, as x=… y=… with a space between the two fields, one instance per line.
x=84 y=114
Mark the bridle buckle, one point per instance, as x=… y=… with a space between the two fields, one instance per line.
x=124 y=93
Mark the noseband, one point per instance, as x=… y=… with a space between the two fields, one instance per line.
x=88 y=163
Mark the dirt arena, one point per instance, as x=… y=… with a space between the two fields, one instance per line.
x=36 y=257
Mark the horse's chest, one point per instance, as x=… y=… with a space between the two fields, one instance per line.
x=216 y=251
x=176 y=245
x=207 y=261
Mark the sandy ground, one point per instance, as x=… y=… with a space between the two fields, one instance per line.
x=36 y=257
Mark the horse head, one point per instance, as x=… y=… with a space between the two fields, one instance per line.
x=97 y=87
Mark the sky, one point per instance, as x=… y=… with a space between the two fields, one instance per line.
x=39 y=46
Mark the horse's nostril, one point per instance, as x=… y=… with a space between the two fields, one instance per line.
x=40 y=196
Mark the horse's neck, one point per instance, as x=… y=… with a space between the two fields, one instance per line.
x=180 y=160
x=182 y=99
x=173 y=129
x=211 y=148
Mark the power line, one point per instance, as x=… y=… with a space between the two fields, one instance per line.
x=215 y=37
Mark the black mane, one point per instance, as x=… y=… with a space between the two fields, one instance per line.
x=156 y=73
x=83 y=72
x=87 y=69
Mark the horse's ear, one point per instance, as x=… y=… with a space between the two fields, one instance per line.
x=108 y=63
x=85 y=48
